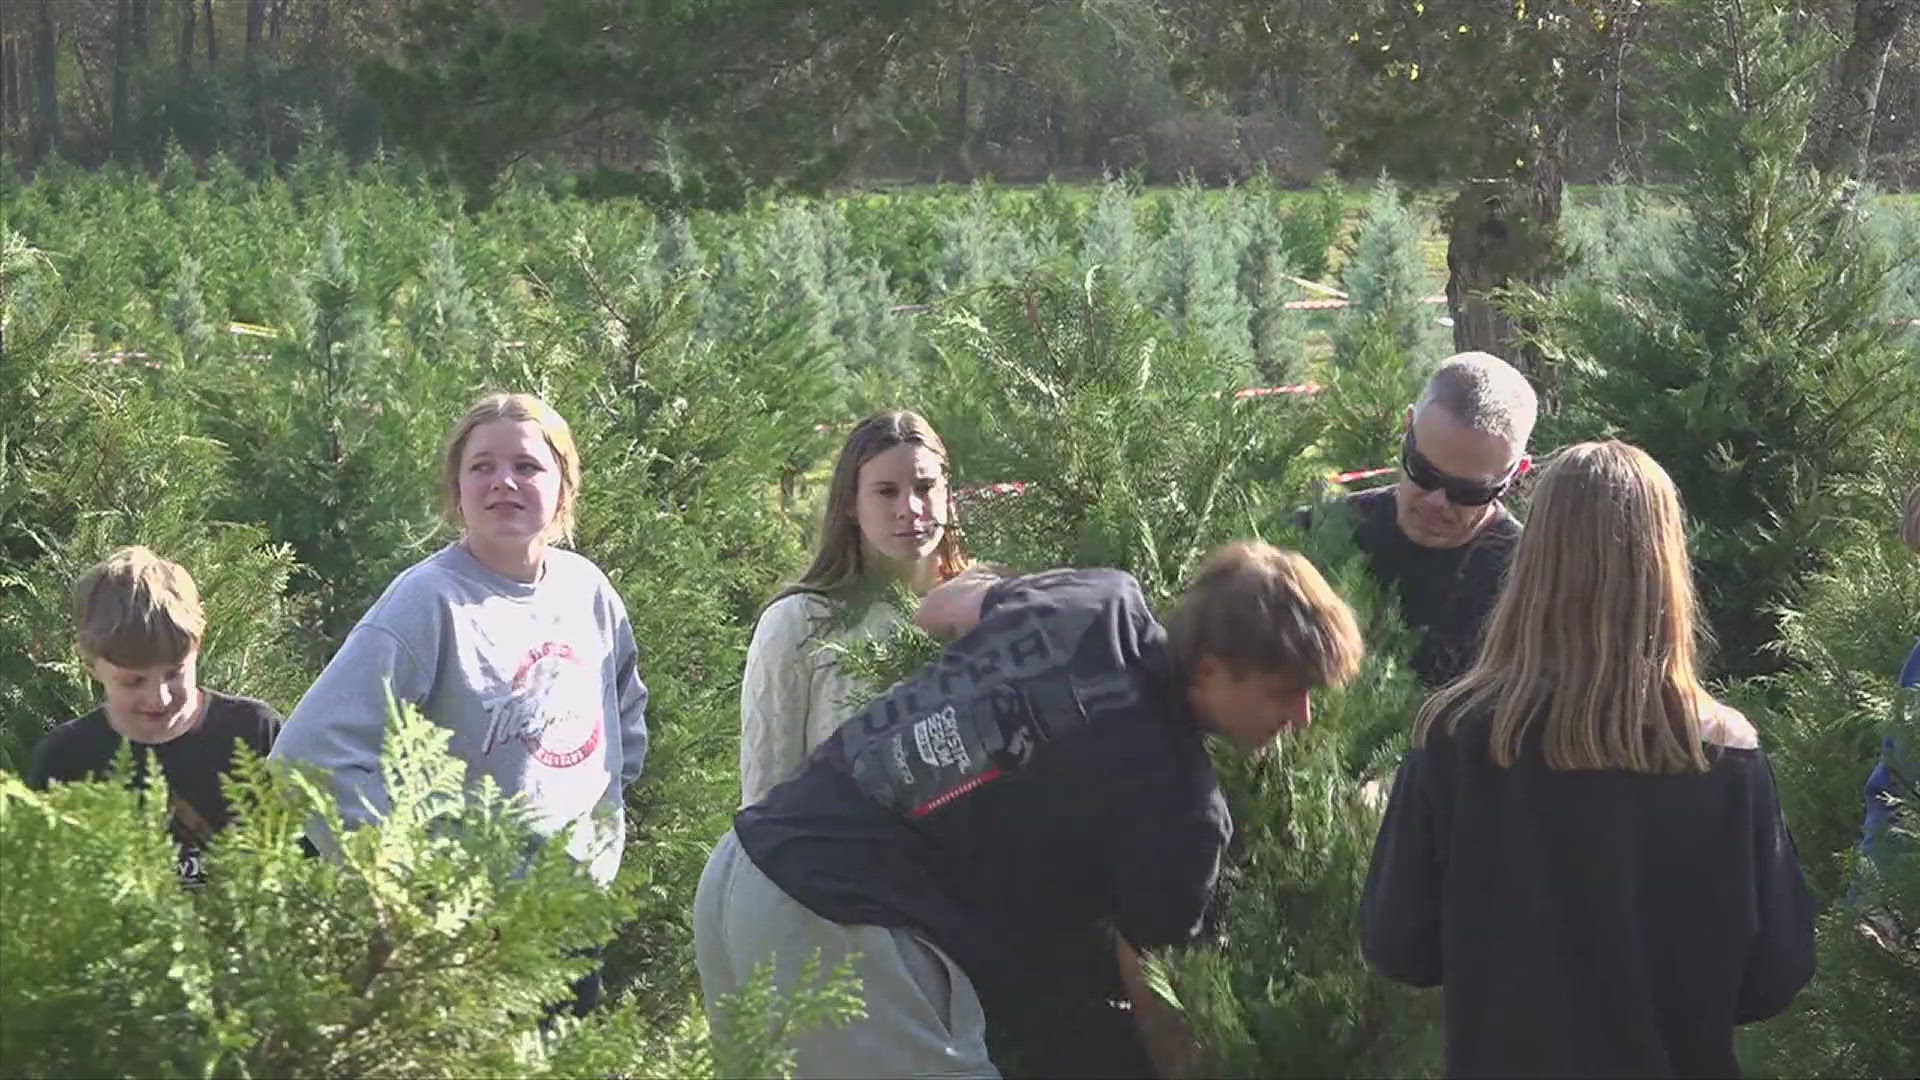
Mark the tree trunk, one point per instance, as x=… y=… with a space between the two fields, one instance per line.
x=9 y=71
x=1500 y=234
x=273 y=25
x=186 y=39
x=46 y=78
x=963 y=117
x=122 y=59
x=1856 y=91
x=322 y=44
x=256 y=25
x=213 y=51
x=140 y=26
x=86 y=81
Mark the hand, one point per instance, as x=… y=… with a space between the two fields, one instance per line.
x=953 y=608
x=1170 y=1043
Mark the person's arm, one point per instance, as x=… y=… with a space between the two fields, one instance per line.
x=1780 y=960
x=631 y=694
x=1169 y=1042
x=340 y=724
x=1400 y=908
x=776 y=696
x=1163 y=836
x=952 y=608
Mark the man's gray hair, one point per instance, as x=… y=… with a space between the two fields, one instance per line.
x=1486 y=393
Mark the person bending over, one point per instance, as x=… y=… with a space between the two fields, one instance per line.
x=1046 y=771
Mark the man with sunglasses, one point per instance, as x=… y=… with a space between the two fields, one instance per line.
x=1440 y=538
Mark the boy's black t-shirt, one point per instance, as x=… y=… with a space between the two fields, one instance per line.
x=1445 y=594
x=1043 y=773
x=1587 y=922
x=192 y=764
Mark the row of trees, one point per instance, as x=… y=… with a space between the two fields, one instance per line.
x=1490 y=99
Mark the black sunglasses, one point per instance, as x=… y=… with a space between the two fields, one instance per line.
x=1459 y=492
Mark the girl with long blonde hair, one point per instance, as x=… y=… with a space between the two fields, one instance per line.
x=888 y=521
x=1583 y=847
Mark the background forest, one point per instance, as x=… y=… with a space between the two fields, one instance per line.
x=255 y=255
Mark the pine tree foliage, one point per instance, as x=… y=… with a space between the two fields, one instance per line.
x=1266 y=269
x=1894 y=228
x=1197 y=270
x=1758 y=370
x=1312 y=226
x=1144 y=477
x=1624 y=231
x=1282 y=988
x=1110 y=240
x=431 y=947
x=1855 y=1018
x=444 y=318
x=1384 y=275
x=980 y=247
x=678 y=250
x=187 y=308
x=1823 y=718
x=1368 y=394
x=700 y=432
x=33 y=316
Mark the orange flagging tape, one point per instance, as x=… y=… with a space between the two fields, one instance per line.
x=1268 y=391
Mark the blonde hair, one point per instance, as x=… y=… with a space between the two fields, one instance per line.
x=1253 y=605
x=1910 y=527
x=839 y=564
x=514 y=407
x=1595 y=635
x=135 y=609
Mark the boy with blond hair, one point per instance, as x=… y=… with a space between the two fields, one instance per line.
x=138 y=627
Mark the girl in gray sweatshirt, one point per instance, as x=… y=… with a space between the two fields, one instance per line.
x=521 y=649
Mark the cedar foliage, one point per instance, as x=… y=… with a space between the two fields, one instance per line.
x=431 y=948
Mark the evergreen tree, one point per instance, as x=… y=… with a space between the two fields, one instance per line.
x=444 y=320
x=876 y=346
x=1127 y=438
x=1110 y=239
x=1196 y=266
x=1854 y=1019
x=1759 y=370
x=1313 y=224
x=1384 y=274
x=187 y=309
x=1265 y=286
x=678 y=251
x=980 y=248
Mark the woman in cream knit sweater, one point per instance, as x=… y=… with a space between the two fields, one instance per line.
x=888 y=519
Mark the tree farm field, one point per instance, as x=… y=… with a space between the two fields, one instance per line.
x=253 y=376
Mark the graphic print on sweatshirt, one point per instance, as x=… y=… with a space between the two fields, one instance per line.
x=979 y=711
x=552 y=709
